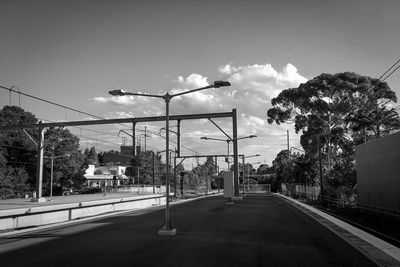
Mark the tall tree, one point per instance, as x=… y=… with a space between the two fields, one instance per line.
x=69 y=163
x=91 y=157
x=145 y=162
x=334 y=112
x=283 y=167
x=18 y=149
x=209 y=170
x=329 y=107
x=263 y=169
x=6 y=185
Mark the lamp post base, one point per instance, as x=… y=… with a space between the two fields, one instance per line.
x=167 y=232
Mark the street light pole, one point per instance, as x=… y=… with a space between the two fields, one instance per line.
x=228 y=158
x=167 y=228
x=51 y=179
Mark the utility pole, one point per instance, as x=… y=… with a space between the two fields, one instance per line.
x=217 y=170
x=175 y=176
x=133 y=138
x=178 y=136
x=138 y=189
x=288 y=145
x=145 y=138
x=39 y=165
x=320 y=170
x=154 y=172
x=243 y=176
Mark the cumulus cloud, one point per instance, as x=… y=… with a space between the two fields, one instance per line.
x=120 y=100
x=262 y=78
x=252 y=88
x=192 y=81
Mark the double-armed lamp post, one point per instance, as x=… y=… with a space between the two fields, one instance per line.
x=227 y=141
x=167 y=229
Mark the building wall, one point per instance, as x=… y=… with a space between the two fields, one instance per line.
x=378 y=174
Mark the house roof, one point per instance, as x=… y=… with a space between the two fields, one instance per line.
x=106 y=177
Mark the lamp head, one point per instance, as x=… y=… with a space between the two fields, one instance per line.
x=118 y=92
x=204 y=138
x=253 y=135
x=221 y=84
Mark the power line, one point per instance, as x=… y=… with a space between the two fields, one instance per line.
x=53 y=103
x=391 y=73
x=389 y=70
x=79 y=111
x=50 y=102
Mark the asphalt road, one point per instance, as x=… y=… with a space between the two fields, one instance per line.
x=257 y=231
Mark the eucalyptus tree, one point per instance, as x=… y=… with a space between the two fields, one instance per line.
x=18 y=149
x=69 y=163
x=335 y=112
x=331 y=109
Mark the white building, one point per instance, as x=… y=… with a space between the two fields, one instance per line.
x=105 y=175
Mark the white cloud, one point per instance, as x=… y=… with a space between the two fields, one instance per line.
x=289 y=76
x=252 y=88
x=192 y=81
x=120 y=100
x=262 y=78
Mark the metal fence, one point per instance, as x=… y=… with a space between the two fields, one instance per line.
x=301 y=190
x=256 y=188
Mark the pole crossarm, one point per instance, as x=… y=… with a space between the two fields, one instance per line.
x=207 y=156
x=230 y=138
x=192 y=91
x=124 y=120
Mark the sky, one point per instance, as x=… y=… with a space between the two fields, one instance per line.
x=73 y=52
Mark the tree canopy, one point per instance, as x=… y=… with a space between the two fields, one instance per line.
x=335 y=112
x=18 y=155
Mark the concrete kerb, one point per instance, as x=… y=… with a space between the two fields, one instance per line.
x=97 y=217
x=373 y=241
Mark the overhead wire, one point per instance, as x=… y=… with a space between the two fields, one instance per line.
x=85 y=113
x=53 y=103
x=380 y=78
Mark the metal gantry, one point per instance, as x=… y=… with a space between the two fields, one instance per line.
x=41 y=126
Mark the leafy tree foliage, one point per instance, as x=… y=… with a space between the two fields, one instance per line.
x=19 y=155
x=204 y=175
x=144 y=161
x=113 y=156
x=13 y=180
x=334 y=112
x=18 y=149
x=6 y=186
x=305 y=169
x=69 y=163
x=194 y=179
x=91 y=157
x=263 y=169
x=283 y=168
